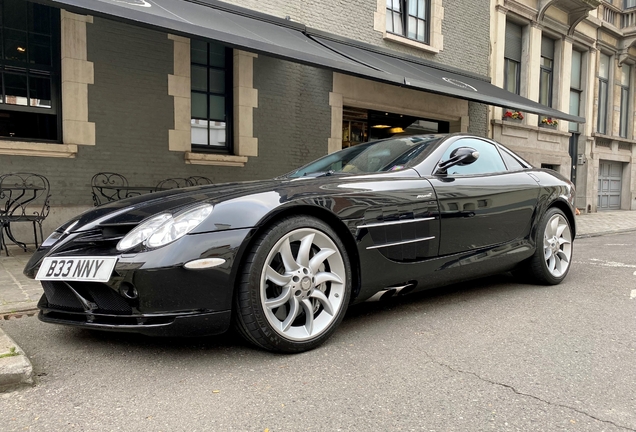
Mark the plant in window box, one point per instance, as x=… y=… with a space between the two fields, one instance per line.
x=549 y=122
x=513 y=115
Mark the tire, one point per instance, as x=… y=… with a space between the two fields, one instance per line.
x=553 y=255
x=294 y=287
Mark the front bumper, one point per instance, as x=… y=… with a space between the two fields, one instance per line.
x=167 y=325
x=150 y=292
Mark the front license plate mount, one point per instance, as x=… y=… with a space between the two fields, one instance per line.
x=86 y=269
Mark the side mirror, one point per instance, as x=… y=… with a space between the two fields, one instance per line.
x=460 y=156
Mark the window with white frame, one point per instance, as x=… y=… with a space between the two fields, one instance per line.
x=629 y=4
x=625 y=85
x=603 y=89
x=409 y=18
x=512 y=58
x=576 y=88
x=211 y=90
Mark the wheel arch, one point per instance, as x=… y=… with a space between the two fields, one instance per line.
x=567 y=210
x=305 y=210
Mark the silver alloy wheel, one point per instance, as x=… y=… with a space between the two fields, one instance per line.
x=557 y=245
x=302 y=295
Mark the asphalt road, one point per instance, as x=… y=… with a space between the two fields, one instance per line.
x=487 y=355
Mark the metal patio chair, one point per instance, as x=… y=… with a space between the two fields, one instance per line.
x=106 y=186
x=199 y=181
x=24 y=197
x=172 y=183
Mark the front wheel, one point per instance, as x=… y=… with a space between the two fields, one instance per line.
x=551 y=261
x=295 y=286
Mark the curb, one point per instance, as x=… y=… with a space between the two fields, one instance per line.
x=15 y=367
x=602 y=233
x=19 y=308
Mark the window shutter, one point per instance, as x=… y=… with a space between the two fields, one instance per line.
x=547 y=48
x=512 y=49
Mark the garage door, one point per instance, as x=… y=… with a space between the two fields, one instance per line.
x=609 y=185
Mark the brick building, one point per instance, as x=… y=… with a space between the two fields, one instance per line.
x=237 y=90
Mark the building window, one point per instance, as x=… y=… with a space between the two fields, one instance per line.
x=29 y=71
x=409 y=18
x=576 y=88
x=547 y=65
x=626 y=72
x=630 y=4
x=512 y=58
x=211 y=87
x=603 y=87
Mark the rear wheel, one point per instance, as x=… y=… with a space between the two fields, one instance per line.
x=551 y=261
x=295 y=286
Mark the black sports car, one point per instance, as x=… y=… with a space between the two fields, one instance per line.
x=282 y=259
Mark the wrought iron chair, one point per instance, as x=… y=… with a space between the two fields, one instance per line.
x=199 y=181
x=106 y=187
x=24 y=197
x=172 y=183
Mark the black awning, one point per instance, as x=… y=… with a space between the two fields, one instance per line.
x=245 y=29
x=233 y=26
x=436 y=78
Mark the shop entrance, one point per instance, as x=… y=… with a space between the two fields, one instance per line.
x=609 y=185
x=362 y=125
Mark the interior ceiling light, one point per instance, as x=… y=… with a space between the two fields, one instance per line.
x=380 y=126
x=396 y=130
x=21 y=49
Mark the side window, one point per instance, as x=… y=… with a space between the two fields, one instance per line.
x=489 y=160
x=511 y=162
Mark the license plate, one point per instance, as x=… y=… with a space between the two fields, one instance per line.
x=93 y=269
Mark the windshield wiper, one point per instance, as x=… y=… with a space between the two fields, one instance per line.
x=325 y=173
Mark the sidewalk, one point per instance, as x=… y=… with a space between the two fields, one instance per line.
x=19 y=295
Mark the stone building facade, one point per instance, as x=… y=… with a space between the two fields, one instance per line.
x=124 y=94
x=576 y=56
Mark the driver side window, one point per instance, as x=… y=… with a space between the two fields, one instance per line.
x=489 y=160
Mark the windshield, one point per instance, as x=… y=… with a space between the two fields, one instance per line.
x=377 y=156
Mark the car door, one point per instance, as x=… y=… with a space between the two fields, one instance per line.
x=484 y=203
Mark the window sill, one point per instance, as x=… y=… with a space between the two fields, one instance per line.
x=24 y=148
x=521 y=125
x=409 y=42
x=214 y=159
x=614 y=138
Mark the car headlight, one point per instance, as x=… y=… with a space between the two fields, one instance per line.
x=165 y=228
x=178 y=226
x=142 y=232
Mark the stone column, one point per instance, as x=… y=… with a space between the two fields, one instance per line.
x=615 y=100
x=562 y=82
x=77 y=74
x=533 y=61
x=591 y=91
x=245 y=100
x=498 y=43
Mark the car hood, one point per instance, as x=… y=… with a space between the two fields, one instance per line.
x=135 y=209
x=236 y=205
